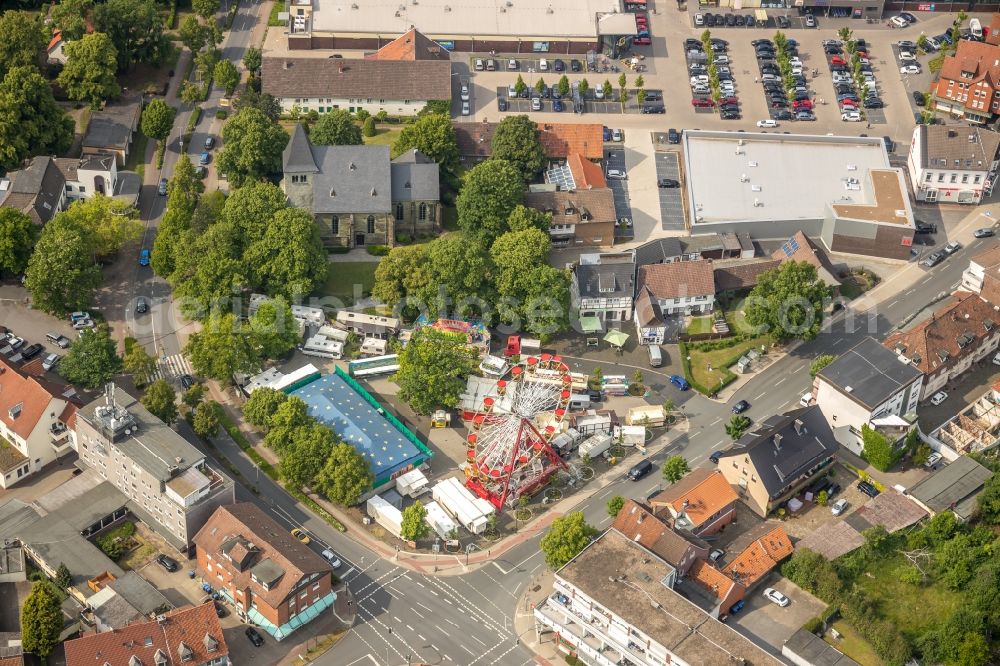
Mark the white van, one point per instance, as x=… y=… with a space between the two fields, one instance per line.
x=805 y=400
x=976 y=28
x=579 y=401
x=655 y=356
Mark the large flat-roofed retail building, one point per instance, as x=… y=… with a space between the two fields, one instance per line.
x=505 y=26
x=839 y=190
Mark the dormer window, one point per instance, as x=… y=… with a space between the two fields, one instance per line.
x=333 y=192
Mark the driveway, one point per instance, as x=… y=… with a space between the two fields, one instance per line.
x=671 y=204
x=763 y=621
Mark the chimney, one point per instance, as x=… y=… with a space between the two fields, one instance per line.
x=341 y=69
x=800 y=427
x=288 y=64
x=685 y=505
x=777 y=441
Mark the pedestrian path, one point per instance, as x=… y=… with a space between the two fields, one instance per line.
x=169 y=367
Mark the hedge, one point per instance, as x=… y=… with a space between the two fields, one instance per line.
x=813 y=625
x=378 y=250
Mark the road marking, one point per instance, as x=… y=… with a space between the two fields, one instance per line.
x=716 y=422
x=447 y=657
x=347 y=573
x=410 y=628
x=396 y=619
x=892 y=303
x=361 y=659
x=417 y=613
x=424 y=607
x=502 y=570
x=760 y=395
x=778 y=383
x=838 y=341
x=420 y=584
x=605 y=520
x=438 y=627
x=478 y=641
x=470 y=651
x=421 y=637
x=451 y=623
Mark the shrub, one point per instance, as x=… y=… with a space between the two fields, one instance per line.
x=221 y=114
x=830 y=613
x=813 y=625
x=338 y=250
x=378 y=250
x=362 y=115
x=404 y=239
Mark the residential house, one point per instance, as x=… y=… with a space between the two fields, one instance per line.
x=779 y=456
x=410 y=46
x=112 y=129
x=190 y=635
x=396 y=87
x=732 y=276
x=36 y=421
x=54 y=51
x=983 y=275
x=271 y=578
x=357 y=195
x=586 y=175
x=954 y=487
x=168 y=481
x=726 y=245
x=559 y=140
x=98 y=174
x=758 y=552
x=868 y=385
x=579 y=217
x=601 y=290
x=953 y=164
x=616 y=600
x=677 y=288
x=968 y=84
x=702 y=503
x=711 y=590
x=956 y=335
x=38 y=189
x=125 y=600
x=638 y=522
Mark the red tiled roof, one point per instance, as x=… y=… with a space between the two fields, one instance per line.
x=936 y=340
x=559 y=140
x=27 y=392
x=56 y=38
x=980 y=59
x=638 y=523
x=760 y=557
x=714 y=581
x=586 y=174
x=705 y=491
x=194 y=628
x=413 y=45
x=742 y=275
x=12 y=661
x=678 y=279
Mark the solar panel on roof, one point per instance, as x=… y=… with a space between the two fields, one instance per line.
x=790 y=247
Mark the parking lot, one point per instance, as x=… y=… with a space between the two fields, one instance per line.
x=784 y=20
x=671 y=198
x=614 y=158
x=770 y=623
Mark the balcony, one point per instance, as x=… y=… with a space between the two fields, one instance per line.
x=59 y=437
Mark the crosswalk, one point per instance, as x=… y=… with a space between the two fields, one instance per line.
x=169 y=367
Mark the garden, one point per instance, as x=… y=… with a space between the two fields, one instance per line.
x=706 y=364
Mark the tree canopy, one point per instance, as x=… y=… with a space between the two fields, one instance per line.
x=90 y=72
x=226 y=75
x=70 y=17
x=414 y=525
x=253 y=59
x=615 y=505
x=41 y=620
x=160 y=400
x=253 y=144
x=490 y=193
x=261 y=406
x=675 y=468
x=206 y=420
x=61 y=274
x=222 y=348
x=22 y=40
x=158 y=120
x=565 y=539
x=878 y=449
x=289 y=260
x=31 y=123
x=737 y=425
x=433 y=369
x=17 y=239
x=788 y=301
x=307 y=453
x=819 y=363
x=92 y=360
x=531 y=293
x=275 y=331
x=335 y=128
x=517 y=141
x=433 y=135
x=135 y=28
x=345 y=476
x=107 y=223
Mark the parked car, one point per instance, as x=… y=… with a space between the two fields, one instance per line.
x=512 y=65
x=741 y=407
x=673 y=136
x=536 y=104
x=933 y=459
x=204 y=158
x=141 y=306
x=301 y=535
x=466 y=109
x=168 y=563
x=679 y=382
x=767 y=123
x=810 y=21
x=31 y=351
x=616 y=135
x=910 y=69
x=716 y=555
x=502 y=103
x=851 y=117
x=575 y=65
x=209 y=142
x=776 y=597
x=714 y=457
x=952 y=247
x=162 y=188
x=50 y=362
x=557 y=105
x=616 y=174
x=254 y=637
x=701 y=102
x=332 y=558
x=839 y=507
x=868 y=489
x=187 y=381
x=668 y=183
x=938 y=398
x=918 y=98
x=985 y=232
x=144 y=257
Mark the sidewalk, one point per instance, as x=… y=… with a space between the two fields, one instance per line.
x=543 y=647
x=339 y=622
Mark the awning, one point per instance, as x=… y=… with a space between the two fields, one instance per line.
x=591 y=324
x=760 y=15
x=616 y=338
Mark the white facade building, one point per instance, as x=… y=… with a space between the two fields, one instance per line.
x=602 y=289
x=952 y=164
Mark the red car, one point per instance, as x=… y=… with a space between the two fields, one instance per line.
x=802 y=104
x=837 y=60
x=729 y=100
x=642 y=40
x=702 y=102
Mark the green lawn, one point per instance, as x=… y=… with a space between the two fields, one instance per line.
x=699 y=325
x=343 y=275
x=716 y=358
x=737 y=320
x=852 y=645
x=383 y=136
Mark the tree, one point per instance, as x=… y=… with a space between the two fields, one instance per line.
x=433 y=369
x=92 y=361
x=206 y=419
x=89 y=74
x=674 y=468
x=434 y=136
x=460 y=267
x=61 y=273
x=640 y=96
x=160 y=400
x=158 y=119
x=516 y=139
x=335 y=128
x=303 y=461
x=31 y=123
x=41 y=620
x=193 y=33
x=289 y=260
x=252 y=60
x=405 y=273
x=22 y=39
x=819 y=363
x=540 y=85
x=205 y=8
x=192 y=93
x=226 y=75
x=261 y=406
x=192 y=397
x=489 y=194
x=253 y=146
x=345 y=475
x=606 y=89
x=17 y=238
x=106 y=223
x=70 y=17
x=249 y=98
x=137 y=361
x=563 y=86
x=221 y=348
x=274 y=330
x=788 y=301
x=615 y=505
x=583 y=86
x=522 y=218
x=520 y=86
x=565 y=539
x=878 y=449
x=989 y=501
x=64 y=579
x=737 y=426
x=414 y=525
x=182 y=200
x=369 y=127
x=250 y=210
x=135 y=28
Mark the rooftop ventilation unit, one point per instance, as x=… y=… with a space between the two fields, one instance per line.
x=744 y=178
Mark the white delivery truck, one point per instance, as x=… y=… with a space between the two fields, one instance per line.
x=631 y=435
x=596 y=445
x=412 y=484
x=386 y=515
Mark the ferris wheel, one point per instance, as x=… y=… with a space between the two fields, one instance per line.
x=509 y=454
